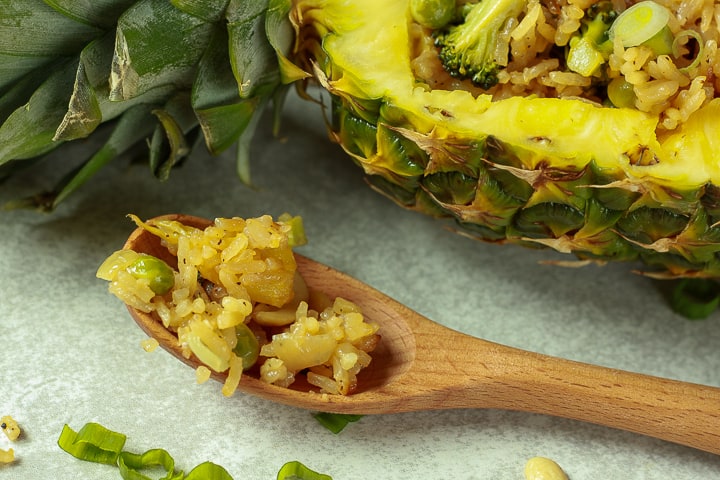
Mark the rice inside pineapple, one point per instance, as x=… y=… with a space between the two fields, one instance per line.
x=526 y=162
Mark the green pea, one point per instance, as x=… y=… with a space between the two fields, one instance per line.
x=248 y=347
x=159 y=275
x=621 y=93
x=432 y=13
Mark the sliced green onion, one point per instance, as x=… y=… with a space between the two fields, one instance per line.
x=297 y=471
x=336 y=422
x=131 y=465
x=661 y=43
x=93 y=443
x=644 y=23
x=208 y=471
x=677 y=44
x=695 y=298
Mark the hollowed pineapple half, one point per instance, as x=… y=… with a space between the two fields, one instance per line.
x=547 y=166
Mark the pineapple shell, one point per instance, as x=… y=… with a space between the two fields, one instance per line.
x=595 y=182
x=567 y=174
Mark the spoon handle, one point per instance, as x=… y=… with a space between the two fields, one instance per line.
x=430 y=366
x=488 y=375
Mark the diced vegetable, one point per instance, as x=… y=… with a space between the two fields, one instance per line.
x=248 y=347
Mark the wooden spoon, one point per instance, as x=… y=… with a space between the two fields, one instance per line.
x=421 y=365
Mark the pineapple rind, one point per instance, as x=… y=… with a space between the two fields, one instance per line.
x=641 y=219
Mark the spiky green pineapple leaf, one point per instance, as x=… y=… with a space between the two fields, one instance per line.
x=89 y=104
x=84 y=112
x=21 y=90
x=29 y=121
x=253 y=60
x=194 y=63
x=216 y=99
x=136 y=124
x=225 y=124
x=99 y=13
x=155 y=44
x=242 y=162
x=173 y=137
x=222 y=113
x=208 y=10
x=29 y=130
x=22 y=50
x=214 y=83
x=281 y=37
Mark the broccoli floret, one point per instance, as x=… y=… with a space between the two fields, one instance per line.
x=592 y=46
x=467 y=49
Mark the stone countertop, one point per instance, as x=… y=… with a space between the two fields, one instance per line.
x=71 y=354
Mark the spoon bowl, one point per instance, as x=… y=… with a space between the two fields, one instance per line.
x=421 y=365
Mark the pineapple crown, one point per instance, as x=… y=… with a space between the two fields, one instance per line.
x=173 y=72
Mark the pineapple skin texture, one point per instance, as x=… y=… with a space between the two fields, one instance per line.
x=585 y=180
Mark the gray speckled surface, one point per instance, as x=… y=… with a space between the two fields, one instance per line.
x=71 y=353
